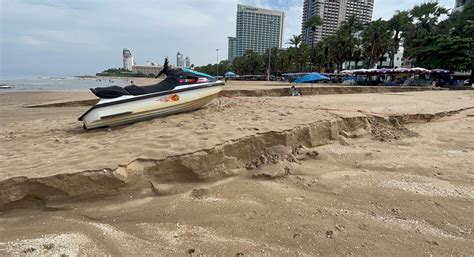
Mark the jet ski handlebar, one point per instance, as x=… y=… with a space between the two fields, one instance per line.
x=164 y=70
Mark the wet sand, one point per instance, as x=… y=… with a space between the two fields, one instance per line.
x=385 y=174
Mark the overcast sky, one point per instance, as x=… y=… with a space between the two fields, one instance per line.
x=73 y=37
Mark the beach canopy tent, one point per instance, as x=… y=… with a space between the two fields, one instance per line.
x=416 y=70
x=401 y=70
x=440 y=71
x=229 y=74
x=419 y=70
x=311 y=78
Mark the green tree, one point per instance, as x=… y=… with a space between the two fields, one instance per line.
x=338 y=50
x=357 y=55
x=446 y=52
x=313 y=22
x=375 y=41
x=295 y=41
x=250 y=63
x=346 y=33
x=399 y=23
x=462 y=23
x=426 y=18
x=427 y=15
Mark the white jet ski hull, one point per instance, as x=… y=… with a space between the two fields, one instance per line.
x=129 y=109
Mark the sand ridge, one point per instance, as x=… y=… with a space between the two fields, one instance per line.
x=57 y=144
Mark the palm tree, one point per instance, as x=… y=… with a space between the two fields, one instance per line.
x=427 y=15
x=357 y=55
x=295 y=41
x=460 y=23
x=376 y=40
x=311 y=23
x=426 y=20
x=397 y=24
x=338 y=49
x=325 y=51
x=346 y=34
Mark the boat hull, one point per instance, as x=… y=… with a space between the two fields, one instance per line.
x=148 y=108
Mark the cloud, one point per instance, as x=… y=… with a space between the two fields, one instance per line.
x=386 y=8
x=86 y=36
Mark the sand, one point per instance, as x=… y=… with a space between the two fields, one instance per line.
x=365 y=174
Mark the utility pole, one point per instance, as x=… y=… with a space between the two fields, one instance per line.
x=269 y=62
x=270 y=51
x=217 y=64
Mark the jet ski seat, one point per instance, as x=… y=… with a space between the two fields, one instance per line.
x=109 y=92
x=116 y=91
x=169 y=83
x=165 y=85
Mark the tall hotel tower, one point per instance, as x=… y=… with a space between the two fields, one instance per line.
x=127 y=59
x=333 y=13
x=179 y=60
x=257 y=30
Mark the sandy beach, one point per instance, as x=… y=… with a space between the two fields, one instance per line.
x=339 y=174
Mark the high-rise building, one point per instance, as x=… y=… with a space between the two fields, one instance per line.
x=459 y=5
x=232 y=49
x=332 y=14
x=127 y=59
x=257 y=30
x=188 y=62
x=179 y=60
x=361 y=9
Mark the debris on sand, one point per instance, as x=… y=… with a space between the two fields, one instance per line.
x=272 y=155
x=200 y=193
x=303 y=153
x=272 y=173
x=386 y=131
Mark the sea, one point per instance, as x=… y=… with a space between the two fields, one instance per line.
x=80 y=84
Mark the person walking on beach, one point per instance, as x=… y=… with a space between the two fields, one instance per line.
x=295 y=91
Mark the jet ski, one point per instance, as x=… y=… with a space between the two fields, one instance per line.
x=182 y=90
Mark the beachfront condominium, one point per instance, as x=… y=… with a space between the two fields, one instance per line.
x=179 y=60
x=232 y=50
x=127 y=59
x=361 y=9
x=188 y=62
x=459 y=5
x=332 y=14
x=257 y=30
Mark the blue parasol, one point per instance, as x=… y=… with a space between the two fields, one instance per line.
x=229 y=74
x=312 y=77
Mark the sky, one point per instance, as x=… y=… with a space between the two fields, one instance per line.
x=78 y=37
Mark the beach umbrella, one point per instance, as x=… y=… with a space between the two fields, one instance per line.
x=311 y=78
x=229 y=74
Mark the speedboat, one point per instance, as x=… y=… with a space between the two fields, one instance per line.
x=4 y=86
x=182 y=90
